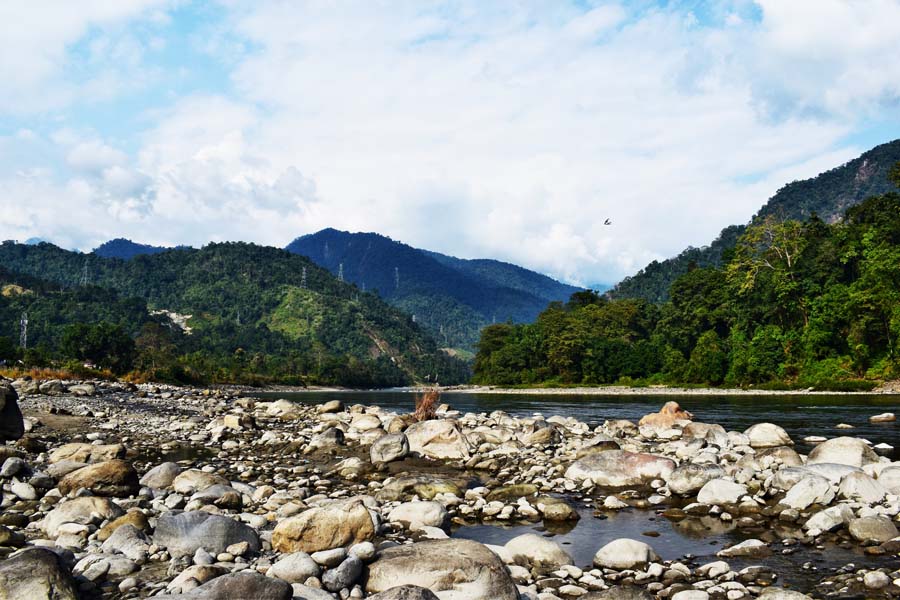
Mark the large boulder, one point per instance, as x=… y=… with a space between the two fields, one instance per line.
x=811 y=489
x=182 y=534
x=441 y=439
x=862 y=488
x=238 y=585
x=876 y=528
x=416 y=515
x=688 y=478
x=294 y=568
x=843 y=451
x=670 y=414
x=423 y=486
x=767 y=435
x=81 y=452
x=86 y=510
x=36 y=574
x=538 y=551
x=388 y=448
x=721 y=491
x=195 y=480
x=161 y=476
x=114 y=478
x=889 y=478
x=12 y=426
x=453 y=569
x=624 y=553
x=620 y=468
x=405 y=592
x=325 y=527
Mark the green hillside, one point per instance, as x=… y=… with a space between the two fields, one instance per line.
x=255 y=314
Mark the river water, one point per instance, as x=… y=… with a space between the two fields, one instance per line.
x=801 y=416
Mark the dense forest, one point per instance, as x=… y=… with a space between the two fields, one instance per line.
x=226 y=313
x=828 y=195
x=794 y=303
x=451 y=297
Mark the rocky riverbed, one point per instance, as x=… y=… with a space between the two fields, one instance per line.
x=117 y=491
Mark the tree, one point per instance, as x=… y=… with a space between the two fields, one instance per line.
x=708 y=362
x=103 y=344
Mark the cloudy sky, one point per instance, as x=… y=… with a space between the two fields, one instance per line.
x=482 y=129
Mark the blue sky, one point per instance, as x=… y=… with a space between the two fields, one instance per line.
x=506 y=130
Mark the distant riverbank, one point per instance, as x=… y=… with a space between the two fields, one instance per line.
x=617 y=390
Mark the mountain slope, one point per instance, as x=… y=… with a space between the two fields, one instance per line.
x=252 y=307
x=126 y=249
x=452 y=297
x=828 y=195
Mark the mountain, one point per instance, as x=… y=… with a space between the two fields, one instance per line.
x=452 y=297
x=126 y=249
x=234 y=312
x=828 y=195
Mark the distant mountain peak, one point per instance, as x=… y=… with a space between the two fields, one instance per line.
x=126 y=249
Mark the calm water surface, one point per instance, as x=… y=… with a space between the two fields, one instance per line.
x=801 y=416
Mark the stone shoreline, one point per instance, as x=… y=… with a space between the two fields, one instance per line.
x=121 y=491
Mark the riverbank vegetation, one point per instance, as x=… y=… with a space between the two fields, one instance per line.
x=794 y=304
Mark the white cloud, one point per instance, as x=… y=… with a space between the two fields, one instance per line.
x=478 y=129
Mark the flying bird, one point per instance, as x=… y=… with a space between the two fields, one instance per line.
x=607 y=222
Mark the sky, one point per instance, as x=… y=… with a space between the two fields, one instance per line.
x=504 y=129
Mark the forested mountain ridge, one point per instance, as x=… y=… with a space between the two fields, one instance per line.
x=256 y=313
x=796 y=303
x=452 y=297
x=827 y=195
x=126 y=249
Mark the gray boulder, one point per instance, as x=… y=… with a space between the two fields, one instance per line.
x=344 y=575
x=184 y=533
x=451 y=568
x=843 y=451
x=388 y=448
x=12 y=427
x=405 y=592
x=873 y=529
x=36 y=574
x=619 y=468
x=161 y=476
x=238 y=585
x=688 y=478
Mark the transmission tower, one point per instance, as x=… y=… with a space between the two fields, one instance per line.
x=85 y=275
x=303 y=278
x=23 y=331
x=341 y=271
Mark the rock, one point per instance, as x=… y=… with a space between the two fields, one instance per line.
x=624 y=553
x=284 y=409
x=860 y=487
x=82 y=389
x=12 y=426
x=54 y=387
x=767 y=435
x=512 y=492
x=12 y=466
x=453 y=569
x=555 y=509
x=36 y=574
x=876 y=580
x=330 y=438
x=323 y=528
x=883 y=418
x=748 y=548
x=161 y=476
x=776 y=593
x=688 y=478
x=332 y=406
x=423 y=486
x=620 y=468
x=129 y=541
x=873 y=529
x=620 y=592
x=294 y=568
x=388 y=448
x=538 y=551
x=405 y=592
x=830 y=518
x=330 y=558
x=721 y=491
x=440 y=439
x=221 y=495
x=833 y=472
x=194 y=480
x=843 y=451
x=344 y=575
x=194 y=576
x=23 y=490
x=114 y=478
x=811 y=489
x=305 y=592
x=415 y=515
x=183 y=533
x=85 y=511
x=87 y=453
x=238 y=585
x=134 y=518
x=691 y=595
x=889 y=478
x=668 y=415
